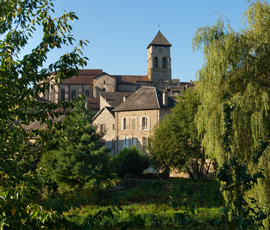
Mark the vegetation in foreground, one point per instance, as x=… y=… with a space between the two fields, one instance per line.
x=157 y=204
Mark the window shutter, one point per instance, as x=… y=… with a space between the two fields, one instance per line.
x=148 y=123
x=127 y=124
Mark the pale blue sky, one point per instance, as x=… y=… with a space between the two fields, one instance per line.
x=120 y=30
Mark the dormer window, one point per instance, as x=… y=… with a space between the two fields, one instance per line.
x=164 y=62
x=156 y=62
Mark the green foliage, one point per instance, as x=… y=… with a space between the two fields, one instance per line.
x=22 y=205
x=237 y=64
x=237 y=181
x=175 y=141
x=79 y=160
x=148 y=206
x=130 y=161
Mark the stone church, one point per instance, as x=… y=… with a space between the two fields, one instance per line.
x=127 y=107
x=93 y=82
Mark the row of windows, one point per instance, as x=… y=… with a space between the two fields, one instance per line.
x=73 y=94
x=164 y=62
x=130 y=123
x=129 y=142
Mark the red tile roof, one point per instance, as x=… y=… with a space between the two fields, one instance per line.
x=130 y=79
x=85 y=77
x=94 y=103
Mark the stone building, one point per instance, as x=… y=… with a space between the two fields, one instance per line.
x=127 y=107
x=92 y=82
x=136 y=117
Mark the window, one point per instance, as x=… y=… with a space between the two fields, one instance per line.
x=156 y=62
x=104 y=82
x=87 y=94
x=126 y=142
x=102 y=128
x=133 y=123
x=112 y=126
x=144 y=142
x=124 y=123
x=63 y=94
x=134 y=141
x=73 y=94
x=145 y=123
x=103 y=90
x=164 y=62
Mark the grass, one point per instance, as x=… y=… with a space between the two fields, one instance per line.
x=149 y=204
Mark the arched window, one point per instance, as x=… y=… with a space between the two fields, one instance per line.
x=73 y=94
x=87 y=94
x=156 y=62
x=63 y=92
x=164 y=62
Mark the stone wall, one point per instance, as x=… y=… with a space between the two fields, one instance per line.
x=104 y=83
x=138 y=136
x=106 y=118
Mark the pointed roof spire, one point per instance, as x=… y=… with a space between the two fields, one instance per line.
x=159 y=40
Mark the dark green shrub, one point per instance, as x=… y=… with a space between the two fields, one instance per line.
x=130 y=161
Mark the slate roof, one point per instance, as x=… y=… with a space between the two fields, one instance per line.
x=130 y=79
x=145 y=98
x=115 y=98
x=85 y=77
x=159 y=40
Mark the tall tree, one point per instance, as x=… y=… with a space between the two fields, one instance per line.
x=21 y=203
x=237 y=65
x=175 y=142
x=80 y=160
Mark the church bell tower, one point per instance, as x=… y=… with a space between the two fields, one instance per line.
x=159 y=61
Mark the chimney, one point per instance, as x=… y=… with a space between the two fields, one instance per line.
x=165 y=99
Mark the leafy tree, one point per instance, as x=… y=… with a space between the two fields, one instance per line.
x=80 y=160
x=236 y=74
x=175 y=143
x=130 y=161
x=22 y=205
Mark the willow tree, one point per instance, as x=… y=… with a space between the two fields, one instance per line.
x=236 y=63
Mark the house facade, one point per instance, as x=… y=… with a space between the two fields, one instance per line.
x=137 y=116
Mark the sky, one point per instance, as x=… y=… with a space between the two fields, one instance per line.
x=119 y=31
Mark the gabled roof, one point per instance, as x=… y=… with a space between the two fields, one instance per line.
x=85 y=77
x=159 y=40
x=145 y=98
x=104 y=73
x=115 y=98
x=104 y=108
x=130 y=79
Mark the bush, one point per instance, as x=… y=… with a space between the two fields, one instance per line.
x=130 y=161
